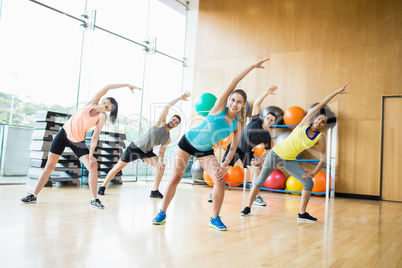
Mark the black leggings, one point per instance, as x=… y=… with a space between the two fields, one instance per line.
x=60 y=142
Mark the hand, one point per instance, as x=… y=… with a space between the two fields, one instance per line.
x=185 y=96
x=92 y=160
x=259 y=64
x=224 y=169
x=307 y=175
x=255 y=161
x=272 y=90
x=219 y=174
x=342 y=89
x=161 y=165
x=131 y=87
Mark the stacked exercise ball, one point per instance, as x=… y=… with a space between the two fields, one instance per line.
x=320 y=182
x=197 y=171
x=235 y=176
x=276 y=110
x=204 y=103
x=292 y=184
x=276 y=180
x=294 y=115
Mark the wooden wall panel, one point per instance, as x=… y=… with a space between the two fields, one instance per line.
x=315 y=47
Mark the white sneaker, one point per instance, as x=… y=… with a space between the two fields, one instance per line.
x=259 y=202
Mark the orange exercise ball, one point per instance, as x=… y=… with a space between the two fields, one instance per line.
x=294 y=185
x=208 y=179
x=320 y=182
x=235 y=176
x=294 y=115
x=224 y=143
x=260 y=148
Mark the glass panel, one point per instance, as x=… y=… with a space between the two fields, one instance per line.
x=163 y=82
x=115 y=61
x=124 y=17
x=168 y=26
x=40 y=59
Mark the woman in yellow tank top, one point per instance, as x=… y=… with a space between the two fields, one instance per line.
x=304 y=136
x=73 y=135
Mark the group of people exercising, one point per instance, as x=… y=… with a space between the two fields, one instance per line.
x=227 y=116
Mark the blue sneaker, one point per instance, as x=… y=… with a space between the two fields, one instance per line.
x=217 y=224
x=160 y=218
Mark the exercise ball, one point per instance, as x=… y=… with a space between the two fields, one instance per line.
x=204 y=103
x=315 y=104
x=294 y=115
x=276 y=110
x=281 y=137
x=320 y=182
x=259 y=150
x=235 y=176
x=226 y=141
x=294 y=185
x=276 y=180
x=197 y=171
x=208 y=179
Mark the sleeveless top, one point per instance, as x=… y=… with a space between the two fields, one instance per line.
x=80 y=123
x=210 y=131
x=153 y=137
x=295 y=143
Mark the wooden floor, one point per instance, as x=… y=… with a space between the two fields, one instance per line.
x=61 y=230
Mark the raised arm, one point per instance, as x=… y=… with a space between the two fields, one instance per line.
x=220 y=103
x=164 y=113
x=95 y=99
x=307 y=119
x=258 y=101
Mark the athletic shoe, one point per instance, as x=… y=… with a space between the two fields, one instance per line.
x=210 y=198
x=246 y=212
x=30 y=198
x=160 y=218
x=259 y=202
x=156 y=194
x=101 y=190
x=96 y=203
x=217 y=224
x=306 y=217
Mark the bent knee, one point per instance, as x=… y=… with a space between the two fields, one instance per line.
x=308 y=184
x=175 y=179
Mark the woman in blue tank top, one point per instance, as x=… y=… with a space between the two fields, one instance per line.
x=198 y=141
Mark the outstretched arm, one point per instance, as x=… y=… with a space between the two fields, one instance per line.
x=233 y=147
x=322 y=149
x=95 y=137
x=258 y=101
x=95 y=99
x=220 y=103
x=162 y=117
x=307 y=119
x=161 y=154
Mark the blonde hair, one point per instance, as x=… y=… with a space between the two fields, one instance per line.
x=241 y=115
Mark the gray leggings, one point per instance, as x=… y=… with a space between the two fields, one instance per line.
x=272 y=160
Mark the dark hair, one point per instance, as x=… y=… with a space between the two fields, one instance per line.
x=331 y=118
x=178 y=117
x=273 y=114
x=114 y=111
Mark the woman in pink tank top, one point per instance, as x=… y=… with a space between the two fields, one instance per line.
x=73 y=135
